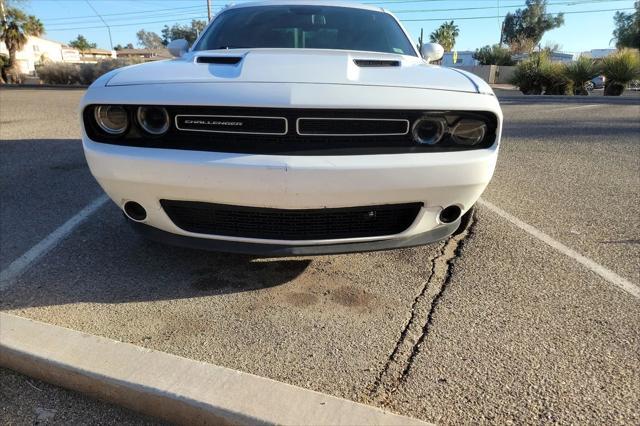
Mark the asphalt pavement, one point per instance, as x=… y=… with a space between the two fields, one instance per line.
x=491 y=326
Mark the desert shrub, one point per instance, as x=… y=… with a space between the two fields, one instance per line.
x=528 y=75
x=620 y=69
x=91 y=72
x=63 y=73
x=59 y=73
x=580 y=72
x=555 y=80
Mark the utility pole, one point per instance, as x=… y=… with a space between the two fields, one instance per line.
x=209 y=9
x=501 y=24
x=103 y=21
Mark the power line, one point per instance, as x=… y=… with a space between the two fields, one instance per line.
x=164 y=21
x=504 y=16
x=127 y=18
x=505 y=6
x=403 y=20
x=172 y=9
x=103 y=21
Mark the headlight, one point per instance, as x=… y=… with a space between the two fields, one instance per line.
x=469 y=132
x=429 y=130
x=112 y=119
x=154 y=120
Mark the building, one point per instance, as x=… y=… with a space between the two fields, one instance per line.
x=144 y=55
x=563 y=57
x=463 y=58
x=598 y=53
x=95 y=55
x=39 y=50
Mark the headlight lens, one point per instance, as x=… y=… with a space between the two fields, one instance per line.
x=154 y=120
x=429 y=130
x=112 y=119
x=469 y=132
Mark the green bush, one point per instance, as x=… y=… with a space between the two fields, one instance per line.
x=528 y=76
x=620 y=69
x=538 y=75
x=494 y=55
x=59 y=73
x=555 y=80
x=580 y=72
x=63 y=73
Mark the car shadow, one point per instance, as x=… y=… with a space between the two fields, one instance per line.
x=105 y=261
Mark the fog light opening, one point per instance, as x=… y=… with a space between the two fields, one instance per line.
x=450 y=214
x=135 y=211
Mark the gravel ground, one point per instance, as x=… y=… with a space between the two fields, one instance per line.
x=26 y=401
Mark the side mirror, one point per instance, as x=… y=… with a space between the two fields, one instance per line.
x=432 y=52
x=178 y=47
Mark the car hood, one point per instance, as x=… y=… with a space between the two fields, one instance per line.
x=300 y=66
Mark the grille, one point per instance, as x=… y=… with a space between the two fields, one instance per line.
x=232 y=124
x=277 y=224
x=351 y=127
x=273 y=131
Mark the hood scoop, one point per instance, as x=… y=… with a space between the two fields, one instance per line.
x=220 y=60
x=376 y=63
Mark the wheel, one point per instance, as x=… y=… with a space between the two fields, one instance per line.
x=589 y=86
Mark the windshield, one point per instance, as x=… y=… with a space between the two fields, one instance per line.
x=306 y=27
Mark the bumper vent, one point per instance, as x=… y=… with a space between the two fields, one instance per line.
x=221 y=60
x=293 y=225
x=375 y=63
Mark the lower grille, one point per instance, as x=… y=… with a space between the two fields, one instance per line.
x=276 y=224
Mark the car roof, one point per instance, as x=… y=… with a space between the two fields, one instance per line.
x=307 y=3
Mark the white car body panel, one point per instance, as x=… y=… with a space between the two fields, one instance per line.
x=288 y=78
x=297 y=66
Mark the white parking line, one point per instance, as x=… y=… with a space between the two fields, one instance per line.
x=21 y=264
x=570 y=108
x=605 y=273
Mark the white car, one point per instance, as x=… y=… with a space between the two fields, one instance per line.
x=294 y=128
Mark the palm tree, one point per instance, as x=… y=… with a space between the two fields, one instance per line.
x=446 y=35
x=15 y=29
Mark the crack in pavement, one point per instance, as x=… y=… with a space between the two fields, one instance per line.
x=416 y=330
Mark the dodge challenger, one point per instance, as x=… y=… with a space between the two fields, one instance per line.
x=294 y=128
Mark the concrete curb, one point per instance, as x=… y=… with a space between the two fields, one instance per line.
x=167 y=386
x=43 y=86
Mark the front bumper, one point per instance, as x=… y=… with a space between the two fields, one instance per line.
x=278 y=250
x=147 y=176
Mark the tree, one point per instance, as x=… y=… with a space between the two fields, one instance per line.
x=120 y=47
x=494 y=55
x=82 y=44
x=446 y=35
x=15 y=29
x=187 y=32
x=149 y=40
x=627 y=31
x=524 y=28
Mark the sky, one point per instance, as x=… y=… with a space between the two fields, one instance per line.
x=65 y=19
